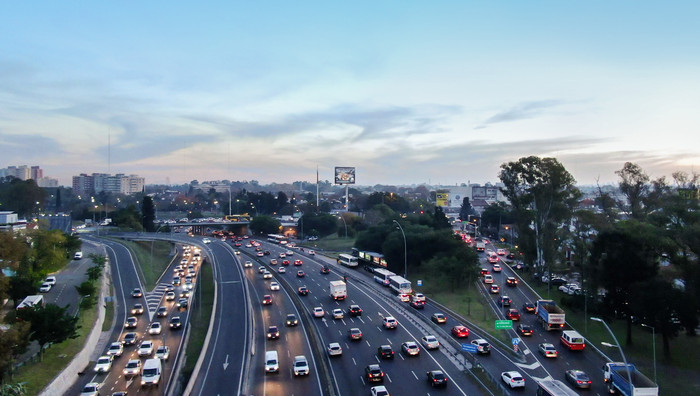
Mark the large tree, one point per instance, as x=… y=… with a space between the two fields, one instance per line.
x=262 y=225
x=148 y=212
x=50 y=324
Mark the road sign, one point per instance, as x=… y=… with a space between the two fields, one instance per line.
x=504 y=324
x=469 y=348
x=419 y=282
x=516 y=341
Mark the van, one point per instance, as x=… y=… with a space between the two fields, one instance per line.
x=78 y=255
x=271 y=362
x=573 y=340
x=151 y=372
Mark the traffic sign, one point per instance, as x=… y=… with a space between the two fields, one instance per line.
x=504 y=324
x=516 y=341
x=469 y=348
x=419 y=282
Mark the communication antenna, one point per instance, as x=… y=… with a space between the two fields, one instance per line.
x=109 y=151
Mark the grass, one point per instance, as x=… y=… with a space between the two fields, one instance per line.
x=109 y=316
x=151 y=270
x=202 y=312
x=37 y=375
x=330 y=245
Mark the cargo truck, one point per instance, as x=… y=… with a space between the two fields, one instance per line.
x=550 y=315
x=338 y=290
x=617 y=378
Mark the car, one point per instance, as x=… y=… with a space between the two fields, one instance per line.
x=484 y=271
x=131 y=322
x=513 y=379
x=493 y=259
x=169 y=296
x=417 y=304
x=176 y=280
x=182 y=304
x=436 y=378
x=525 y=330
x=501 y=252
x=132 y=368
x=267 y=275
x=430 y=342
x=312 y=253
x=291 y=320
x=259 y=254
x=162 y=312
x=131 y=338
x=137 y=309
x=51 y=280
x=578 y=379
x=45 y=287
x=162 y=352
x=511 y=281
x=318 y=312
x=410 y=348
x=504 y=301
x=267 y=299
x=185 y=294
x=261 y=269
x=154 y=328
x=529 y=307
x=355 y=310
x=355 y=333
x=338 y=313
x=146 y=348
x=289 y=253
x=378 y=391
x=206 y=240
x=298 y=262
x=548 y=350
x=496 y=268
x=285 y=262
x=513 y=314
x=175 y=323
x=273 y=261
x=334 y=349
x=282 y=270
x=248 y=264
x=266 y=253
x=494 y=289
x=273 y=333
x=389 y=322
x=282 y=255
x=103 y=364
x=78 y=255
x=237 y=252
x=460 y=331
x=438 y=318
x=403 y=297
x=488 y=279
x=115 y=349
x=90 y=389
x=374 y=373
x=301 y=365
x=303 y=290
x=385 y=352
x=570 y=289
x=274 y=286
x=325 y=270
x=482 y=346
x=136 y=293
x=300 y=274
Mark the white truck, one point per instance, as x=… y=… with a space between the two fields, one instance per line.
x=338 y=290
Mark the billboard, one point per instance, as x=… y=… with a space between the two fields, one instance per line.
x=344 y=175
x=442 y=199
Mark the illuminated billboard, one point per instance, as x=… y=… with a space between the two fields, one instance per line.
x=442 y=199
x=344 y=175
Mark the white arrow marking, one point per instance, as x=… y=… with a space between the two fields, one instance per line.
x=226 y=362
x=528 y=366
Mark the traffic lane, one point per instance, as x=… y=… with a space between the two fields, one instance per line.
x=64 y=293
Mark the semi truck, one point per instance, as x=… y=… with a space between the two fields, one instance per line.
x=550 y=315
x=617 y=378
x=338 y=290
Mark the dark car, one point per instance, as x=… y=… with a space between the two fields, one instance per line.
x=136 y=293
x=385 y=352
x=504 y=301
x=374 y=373
x=131 y=338
x=525 y=330
x=418 y=304
x=529 y=307
x=355 y=310
x=325 y=270
x=292 y=320
x=273 y=333
x=175 y=322
x=511 y=281
x=484 y=271
x=437 y=378
x=266 y=252
x=303 y=291
x=438 y=318
x=579 y=379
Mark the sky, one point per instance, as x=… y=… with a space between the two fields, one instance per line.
x=408 y=92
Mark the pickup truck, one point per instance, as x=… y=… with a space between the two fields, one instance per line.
x=550 y=315
x=616 y=376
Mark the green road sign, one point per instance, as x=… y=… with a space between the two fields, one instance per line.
x=504 y=324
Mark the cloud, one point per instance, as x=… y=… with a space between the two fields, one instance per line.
x=522 y=111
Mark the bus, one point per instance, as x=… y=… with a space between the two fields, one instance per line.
x=347 y=260
x=400 y=285
x=553 y=388
x=276 y=238
x=382 y=276
x=372 y=259
x=238 y=218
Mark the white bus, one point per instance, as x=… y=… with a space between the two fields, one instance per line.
x=382 y=276
x=276 y=238
x=347 y=260
x=553 y=388
x=400 y=285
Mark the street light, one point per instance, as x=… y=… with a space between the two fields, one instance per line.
x=346 y=226
x=653 y=345
x=607 y=344
x=405 y=267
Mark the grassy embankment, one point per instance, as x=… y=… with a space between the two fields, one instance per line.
x=151 y=269
x=199 y=317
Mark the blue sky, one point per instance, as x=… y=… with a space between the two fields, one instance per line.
x=407 y=92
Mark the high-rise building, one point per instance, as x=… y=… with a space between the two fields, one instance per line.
x=102 y=182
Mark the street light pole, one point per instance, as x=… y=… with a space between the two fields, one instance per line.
x=405 y=261
x=346 y=226
x=229 y=200
x=624 y=359
x=653 y=345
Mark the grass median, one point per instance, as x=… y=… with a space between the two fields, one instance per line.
x=152 y=266
x=200 y=315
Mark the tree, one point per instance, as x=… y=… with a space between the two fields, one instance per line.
x=148 y=211
x=21 y=196
x=50 y=324
x=13 y=342
x=466 y=210
x=262 y=225
x=634 y=184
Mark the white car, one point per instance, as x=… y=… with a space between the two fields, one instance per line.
x=338 y=313
x=318 y=312
x=301 y=365
x=248 y=264
x=170 y=296
x=289 y=253
x=51 y=280
x=115 y=349
x=404 y=297
x=146 y=348
x=430 y=342
x=154 y=328
x=267 y=275
x=45 y=287
x=133 y=367
x=282 y=270
x=104 y=363
x=390 y=322
x=419 y=297
x=501 y=252
x=410 y=348
x=206 y=240
x=488 y=279
x=163 y=352
x=334 y=349
x=379 y=391
x=90 y=389
x=312 y=253
x=78 y=255
x=274 y=286
x=513 y=379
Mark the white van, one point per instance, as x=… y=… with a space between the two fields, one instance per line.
x=271 y=362
x=78 y=255
x=151 y=372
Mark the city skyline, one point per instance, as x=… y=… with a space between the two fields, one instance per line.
x=406 y=93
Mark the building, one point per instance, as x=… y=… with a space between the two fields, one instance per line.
x=10 y=221
x=84 y=184
x=25 y=173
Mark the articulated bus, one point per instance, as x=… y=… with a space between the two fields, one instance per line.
x=347 y=260
x=276 y=238
x=372 y=259
x=382 y=276
x=553 y=388
x=400 y=285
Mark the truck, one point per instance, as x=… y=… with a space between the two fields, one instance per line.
x=480 y=245
x=338 y=290
x=616 y=376
x=550 y=315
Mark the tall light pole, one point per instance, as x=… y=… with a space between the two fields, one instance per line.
x=346 y=226
x=607 y=344
x=405 y=261
x=229 y=200
x=653 y=345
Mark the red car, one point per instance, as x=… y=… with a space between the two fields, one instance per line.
x=285 y=262
x=460 y=331
x=297 y=262
x=267 y=299
x=513 y=314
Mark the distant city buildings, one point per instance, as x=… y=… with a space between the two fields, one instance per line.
x=24 y=172
x=96 y=183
